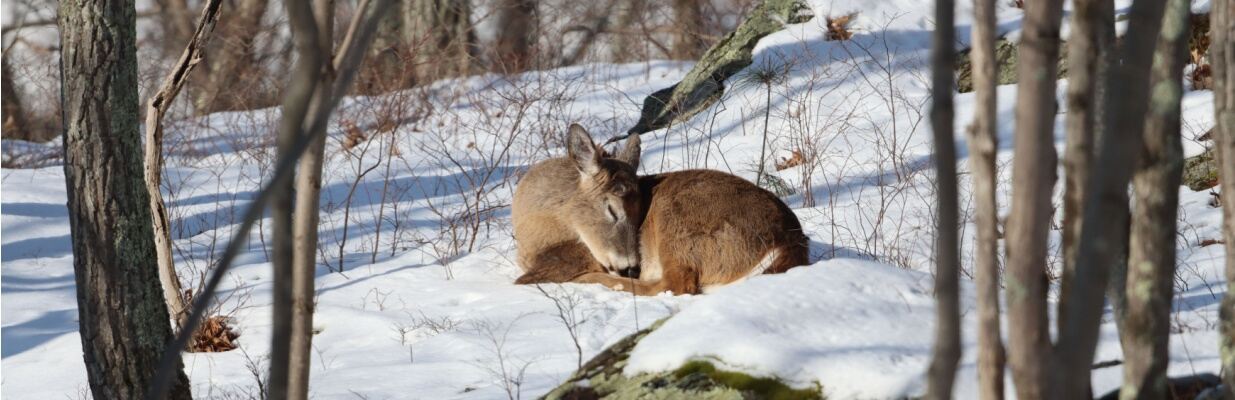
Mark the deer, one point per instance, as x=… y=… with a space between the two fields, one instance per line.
x=589 y=217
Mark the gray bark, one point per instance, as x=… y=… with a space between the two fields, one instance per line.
x=983 y=142
x=233 y=76
x=705 y=82
x=517 y=22
x=947 y=349
x=123 y=322
x=153 y=156
x=1150 y=279
x=688 y=43
x=1106 y=206
x=296 y=103
x=1090 y=21
x=1033 y=177
x=308 y=189
x=1222 y=57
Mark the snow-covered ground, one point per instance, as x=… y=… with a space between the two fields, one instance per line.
x=424 y=306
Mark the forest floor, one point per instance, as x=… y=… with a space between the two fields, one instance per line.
x=416 y=262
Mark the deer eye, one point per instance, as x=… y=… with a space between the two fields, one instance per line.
x=620 y=190
x=612 y=215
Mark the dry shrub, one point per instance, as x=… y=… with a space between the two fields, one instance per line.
x=838 y=27
x=354 y=135
x=795 y=159
x=213 y=336
x=1201 y=75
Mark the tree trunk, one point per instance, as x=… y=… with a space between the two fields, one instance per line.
x=983 y=141
x=308 y=188
x=1033 y=177
x=175 y=25
x=15 y=126
x=234 y=77
x=1106 y=200
x=513 y=52
x=296 y=104
x=1150 y=283
x=1090 y=21
x=123 y=322
x=947 y=349
x=1222 y=56
x=630 y=14
x=446 y=39
x=687 y=39
x=159 y=103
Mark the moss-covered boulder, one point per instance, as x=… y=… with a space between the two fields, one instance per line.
x=705 y=82
x=1005 y=71
x=1201 y=171
x=602 y=378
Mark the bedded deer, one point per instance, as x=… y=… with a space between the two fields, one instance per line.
x=589 y=218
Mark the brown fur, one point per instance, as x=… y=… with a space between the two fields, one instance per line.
x=700 y=228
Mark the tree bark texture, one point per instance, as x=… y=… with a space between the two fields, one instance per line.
x=1033 y=177
x=1151 y=258
x=123 y=320
x=517 y=22
x=688 y=43
x=1222 y=58
x=947 y=349
x=1102 y=242
x=173 y=294
x=983 y=142
x=233 y=80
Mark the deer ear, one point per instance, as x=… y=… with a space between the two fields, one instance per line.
x=582 y=150
x=630 y=154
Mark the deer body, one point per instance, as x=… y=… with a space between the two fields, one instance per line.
x=695 y=228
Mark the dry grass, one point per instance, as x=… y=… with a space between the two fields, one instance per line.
x=838 y=27
x=215 y=335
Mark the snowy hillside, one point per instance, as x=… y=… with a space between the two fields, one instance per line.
x=416 y=262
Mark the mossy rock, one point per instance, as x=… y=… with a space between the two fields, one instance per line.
x=602 y=378
x=1201 y=171
x=704 y=84
x=1005 y=71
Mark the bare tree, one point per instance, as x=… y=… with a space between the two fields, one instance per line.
x=1222 y=56
x=947 y=350
x=153 y=156
x=233 y=69
x=983 y=142
x=1091 y=21
x=123 y=325
x=359 y=35
x=15 y=125
x=308 y=190
x=444 y=38
x=1150 y=285
x=1106 y=203
x=517 y=22
x=296 y=102
x=1033 y=177
x=688 y=41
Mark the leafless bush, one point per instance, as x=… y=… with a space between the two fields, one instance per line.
x=509 y=371
x=571 y=312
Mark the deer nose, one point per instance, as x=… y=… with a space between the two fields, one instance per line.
x=629 y=272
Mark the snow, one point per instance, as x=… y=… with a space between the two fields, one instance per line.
x=840 y=323
x=434 y=316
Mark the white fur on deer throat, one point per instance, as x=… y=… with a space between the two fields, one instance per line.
x=763 y=265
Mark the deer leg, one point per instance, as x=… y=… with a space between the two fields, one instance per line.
x=638 y=287
x=559 y=264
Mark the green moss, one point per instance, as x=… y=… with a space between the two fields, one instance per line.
x=602 y=378
x=1201 y=171
x=757 y=387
